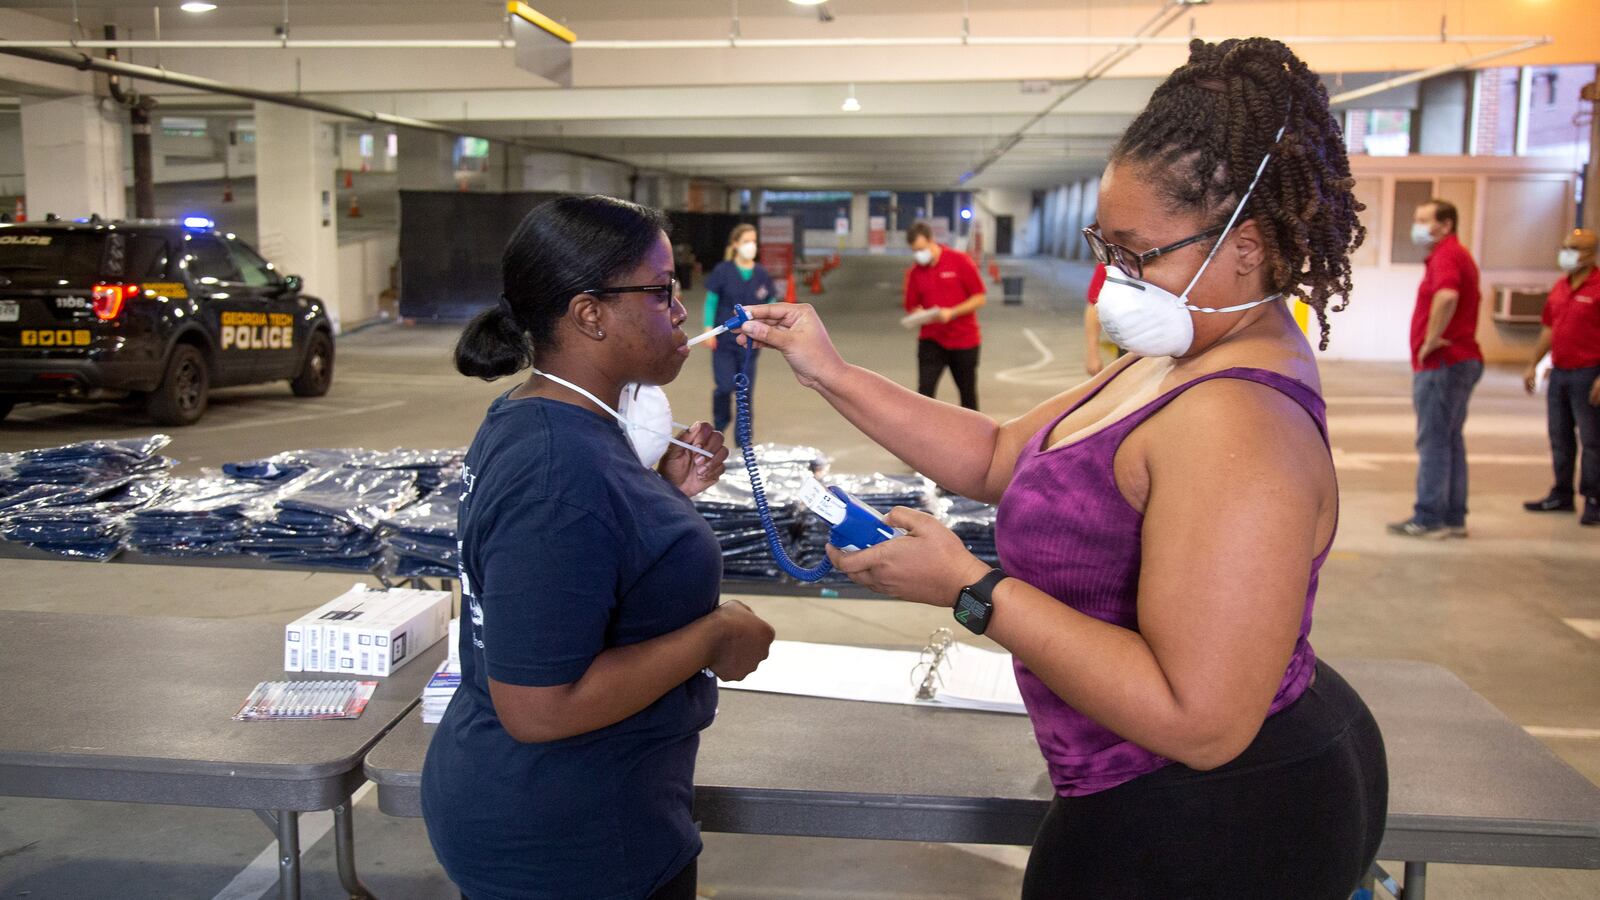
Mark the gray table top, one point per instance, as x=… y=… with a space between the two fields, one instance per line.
x=1466 y=783
x=156 y=696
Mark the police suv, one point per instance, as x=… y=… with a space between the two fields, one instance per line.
x=159 y=312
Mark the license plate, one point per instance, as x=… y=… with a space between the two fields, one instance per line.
x=10 y=311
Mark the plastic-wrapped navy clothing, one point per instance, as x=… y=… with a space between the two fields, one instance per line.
x=569 y=548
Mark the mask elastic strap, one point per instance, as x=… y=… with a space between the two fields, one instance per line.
x=1233 y=218
x=1239 y=308
x=619 y=417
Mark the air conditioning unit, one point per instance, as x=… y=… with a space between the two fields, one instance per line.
x=1519 y=303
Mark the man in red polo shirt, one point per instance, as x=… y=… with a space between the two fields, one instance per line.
x=1446 y=364
x=948 y=281
x=1571 y=335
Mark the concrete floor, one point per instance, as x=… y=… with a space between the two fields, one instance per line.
x=1505 y=609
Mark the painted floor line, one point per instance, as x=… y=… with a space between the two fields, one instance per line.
x=1023 y=374
x=261 y=875
x=284 y=420
x=1576 y=734
x=1589 y=628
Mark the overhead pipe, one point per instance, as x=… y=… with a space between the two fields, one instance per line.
x=139 y=107
x=87 y=63
x=1435 y=71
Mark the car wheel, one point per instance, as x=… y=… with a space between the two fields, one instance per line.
x=316 y=375
x=181 y=397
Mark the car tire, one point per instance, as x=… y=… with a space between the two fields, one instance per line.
x=181 y=397
x=316 y=374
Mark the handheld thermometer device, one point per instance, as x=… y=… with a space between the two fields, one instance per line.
x=856 y=526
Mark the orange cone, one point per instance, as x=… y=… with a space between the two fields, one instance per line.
x=789 y=293
x=816 y=280
x=227 y=192
x=355 y=207
x=22 y=211
x=994 y=272
x=349 y=179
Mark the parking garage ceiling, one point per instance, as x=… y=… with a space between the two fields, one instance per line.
x=762 y=115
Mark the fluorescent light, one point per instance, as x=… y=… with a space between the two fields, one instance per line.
x=198 y=6
x=808 y=2
x=851 y=104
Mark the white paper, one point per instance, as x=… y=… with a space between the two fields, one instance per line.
x=919 y=318
x=840 y=672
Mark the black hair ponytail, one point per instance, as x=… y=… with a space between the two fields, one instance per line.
x=493 y=345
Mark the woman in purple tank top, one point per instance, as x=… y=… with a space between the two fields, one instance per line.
x=1162 y=528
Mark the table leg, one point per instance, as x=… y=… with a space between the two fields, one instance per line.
x=344 y=842
x=288 y=855
x=1416 y=885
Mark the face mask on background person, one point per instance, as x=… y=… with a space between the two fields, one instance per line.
x=747 y=250
x=645 y=415
x=1567 y=259
x=1421 y=234
x=1151 y=321
x=923 y=257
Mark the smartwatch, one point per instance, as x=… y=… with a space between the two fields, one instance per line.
x=975 y=604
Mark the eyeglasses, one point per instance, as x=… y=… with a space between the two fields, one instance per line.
x=664 y=294
x=1107 y=253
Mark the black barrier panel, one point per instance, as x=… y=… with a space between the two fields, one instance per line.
x=705 y=235
x=450 y=248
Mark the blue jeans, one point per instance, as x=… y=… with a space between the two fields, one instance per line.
x=1570 y=411
x=1440 y=397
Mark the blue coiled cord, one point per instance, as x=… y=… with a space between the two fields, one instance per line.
x=741 y=430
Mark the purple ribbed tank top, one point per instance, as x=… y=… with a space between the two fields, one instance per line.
x=1064 y=528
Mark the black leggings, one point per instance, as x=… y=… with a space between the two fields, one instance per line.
x=931 y=362
x=1298 y=814
x=681 y=887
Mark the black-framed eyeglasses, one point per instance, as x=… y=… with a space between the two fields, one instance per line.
x=1107 y=253
x=663 y=294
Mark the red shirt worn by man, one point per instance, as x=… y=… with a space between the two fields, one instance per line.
x=1573 y=317
x=1449 y=267
x=950 y=280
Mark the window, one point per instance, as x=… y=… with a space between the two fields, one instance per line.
x=1387 y=132
x=1557 y=122
x=393 y=144
x=209 y=261
x=365 y=143
x=254 y=270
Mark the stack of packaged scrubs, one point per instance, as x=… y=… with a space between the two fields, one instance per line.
x=973 y=522
x=423 y=535
x=73 y=500
x=329 y=518
x=730 y=507
x=431 y=468
x=208 y=516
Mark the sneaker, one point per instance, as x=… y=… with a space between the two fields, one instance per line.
x=1591 y=511
x=1413 y=528
x=1554 y=502
x=1455 y=531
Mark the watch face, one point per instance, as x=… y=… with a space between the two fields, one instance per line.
x=967 y=609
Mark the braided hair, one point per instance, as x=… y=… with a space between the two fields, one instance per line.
x=1205 y=131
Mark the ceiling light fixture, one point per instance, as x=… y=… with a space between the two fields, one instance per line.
x=197 y=6
x=808 y=2
x=851 y=104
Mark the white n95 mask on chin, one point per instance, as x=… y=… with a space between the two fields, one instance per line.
x=1151 y=321
x=647 y=421
x=645 y=415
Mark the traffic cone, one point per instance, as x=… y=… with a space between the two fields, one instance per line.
x=834 y=262
x=227 y=192
x=355 y=207
x=22 y=211
x=789 y=293
x=349 y=179
x=994 y=272
x=816 y=280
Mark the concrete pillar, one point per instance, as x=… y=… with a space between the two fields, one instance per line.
x=1591 y=188
x=72 y=157
x=426 y=162
x=296 y=213
x=860 y=211
x=1444 y=114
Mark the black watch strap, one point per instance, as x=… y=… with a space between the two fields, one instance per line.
x=975 y=604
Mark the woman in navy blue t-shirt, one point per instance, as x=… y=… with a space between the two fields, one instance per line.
x=736 y=281
x=564 y=766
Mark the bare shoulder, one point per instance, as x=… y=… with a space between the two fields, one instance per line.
x=1237 y=416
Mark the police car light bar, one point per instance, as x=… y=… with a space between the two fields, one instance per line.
x=198 y=222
